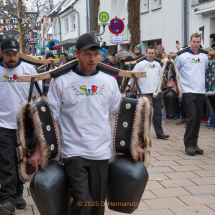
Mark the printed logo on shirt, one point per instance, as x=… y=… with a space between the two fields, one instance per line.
x=8 y=78
x=198 y=60
x=88 y=91
x=151 y=66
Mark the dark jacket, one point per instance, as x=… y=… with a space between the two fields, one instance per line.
x=140 y=56
x=127 y=67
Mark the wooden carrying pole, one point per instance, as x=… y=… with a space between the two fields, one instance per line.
x=35 y=60
x=72 y=65
x=185 y=50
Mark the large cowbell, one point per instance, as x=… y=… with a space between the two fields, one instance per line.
x=169 y=100
x=50 y=190
x=127 y=177
x=169 y=96
x=127 y=180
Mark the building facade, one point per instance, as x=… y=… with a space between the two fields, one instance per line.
x=161 y=22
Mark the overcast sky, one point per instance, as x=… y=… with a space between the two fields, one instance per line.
x=29 y=3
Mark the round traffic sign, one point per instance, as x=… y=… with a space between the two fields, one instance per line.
x=104 y=16
x=116 y=26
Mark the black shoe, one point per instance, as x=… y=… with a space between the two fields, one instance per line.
x=198 y=150
x=7 y=208
x=20 y=203
x=162 y=136
x=190 y=151
x=176 y=117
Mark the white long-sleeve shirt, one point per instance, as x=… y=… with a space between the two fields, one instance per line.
x=192 y=72
x=82 y=104
x=13 y=93
x=153 y=73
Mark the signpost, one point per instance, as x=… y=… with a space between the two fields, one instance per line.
x=117 y=39
x=116 y=26
x=104 y=17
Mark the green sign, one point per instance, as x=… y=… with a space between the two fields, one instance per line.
x=104 y=17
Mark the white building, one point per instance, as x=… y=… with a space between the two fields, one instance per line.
x=161 y=21
x=167 y=21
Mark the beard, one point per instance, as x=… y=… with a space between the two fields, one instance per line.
x=10 y=64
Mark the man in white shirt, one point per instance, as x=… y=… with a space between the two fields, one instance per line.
x=82 y=101
x=148 y=85
x=12 y=93
x=192 y=66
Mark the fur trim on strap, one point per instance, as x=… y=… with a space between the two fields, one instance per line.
x=36 y=123
x=21 y=150
x=140 y=131
x=164 y=79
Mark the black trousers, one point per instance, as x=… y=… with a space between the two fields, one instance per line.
x=193 y=105
x=157 y=114
x=183 y=114
x=11 y=185
x=88 y=185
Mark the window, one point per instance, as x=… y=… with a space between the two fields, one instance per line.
x=113 y=8
x=154 y=43
x=196 y=2
x=121 y=8
x=73 y=21
x=202 y=1
x=144 y=6
x=156 y=4
x=55 y=29
x=66 y=21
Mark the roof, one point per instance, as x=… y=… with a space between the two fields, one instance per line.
x=56 y=8
x=67 y=42
x=67 y=5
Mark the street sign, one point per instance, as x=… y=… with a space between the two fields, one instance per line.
x=104 y=17
x=116 y=26
x=117 y=39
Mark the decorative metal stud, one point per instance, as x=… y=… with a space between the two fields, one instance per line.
x=128 y=106
x=122 y=143
x=43 y=109
x=48 y=127
x=125 y=124
x=52 y=147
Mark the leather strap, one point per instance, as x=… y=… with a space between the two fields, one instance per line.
x=137 y=85
x=33 y=82
x=52 y=63
x=31 y=89
x=38 y=88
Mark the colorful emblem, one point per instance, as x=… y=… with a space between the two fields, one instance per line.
x=9 y=78
x=152 y=66
x=88 y=91
x=198 y=60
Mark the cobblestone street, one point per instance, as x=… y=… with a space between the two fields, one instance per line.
x=188 y=185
